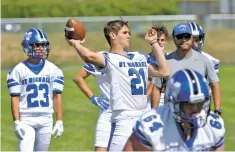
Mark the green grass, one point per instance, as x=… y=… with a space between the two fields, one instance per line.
x=80 y=115
x=227 y=84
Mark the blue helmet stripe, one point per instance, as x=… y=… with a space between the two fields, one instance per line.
x=204 y=88
x=187 y=86
x=197 y=82
x=40 y=33
x=194 y=29
x=193 y=25
x=36 y=30
x=193 y=80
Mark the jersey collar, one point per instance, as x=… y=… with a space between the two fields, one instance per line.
x=35 y=68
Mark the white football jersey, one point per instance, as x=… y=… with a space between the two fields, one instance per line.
x=128 y=76
x=215 y=62
x=157 y=130
x=101 y=79
x=35 y=86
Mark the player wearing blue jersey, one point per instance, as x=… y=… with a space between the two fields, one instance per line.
x=185 y=123
x=127 y=74
x=199 y=38
x=103 y=125
x=35 y=86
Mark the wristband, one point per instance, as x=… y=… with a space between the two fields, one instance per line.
x=218 y=111
x=153 y=41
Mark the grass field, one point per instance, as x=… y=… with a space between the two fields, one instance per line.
x=80 y=115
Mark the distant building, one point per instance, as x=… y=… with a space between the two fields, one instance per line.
x=227 y=6
x=203 y=7
x=199 y=7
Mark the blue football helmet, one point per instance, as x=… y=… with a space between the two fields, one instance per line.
x=188 y=86
x=33 y=37
x=197 y=31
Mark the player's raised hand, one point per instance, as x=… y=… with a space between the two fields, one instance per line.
x=100 y=102
x=72 y=42
x=151 y=34
x=19 y=130
x=59 y=128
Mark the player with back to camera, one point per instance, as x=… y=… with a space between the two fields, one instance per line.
x=198 y=44
x=35 y=85
x=127 y=74
x=185 y=123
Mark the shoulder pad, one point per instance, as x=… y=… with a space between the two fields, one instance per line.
x=216 y=124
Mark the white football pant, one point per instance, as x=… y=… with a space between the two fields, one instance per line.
x=103 y=128
x=148 y=108
x=122 y=129
x=38 y=128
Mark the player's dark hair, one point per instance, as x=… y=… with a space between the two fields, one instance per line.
x=161 y=29
x=113 y=26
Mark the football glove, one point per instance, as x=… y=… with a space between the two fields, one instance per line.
x=100 y=102
x=59 y=128
x=19 y=131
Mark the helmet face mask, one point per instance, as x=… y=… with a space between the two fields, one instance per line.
x=188 y=95
x=40 y=50
x=36 y=44
x=196 y=119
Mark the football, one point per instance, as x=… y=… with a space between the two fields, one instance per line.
x=75 y=29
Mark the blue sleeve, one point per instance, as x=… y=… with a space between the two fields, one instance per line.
x=89 y=67
x=216 y=68
x=219 y=144
x=58 y=83
x=13 y=83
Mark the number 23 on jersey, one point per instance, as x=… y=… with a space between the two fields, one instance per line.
x=32 y=97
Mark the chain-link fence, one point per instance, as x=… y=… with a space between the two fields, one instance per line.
x=136 y=23
x=219 y=21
